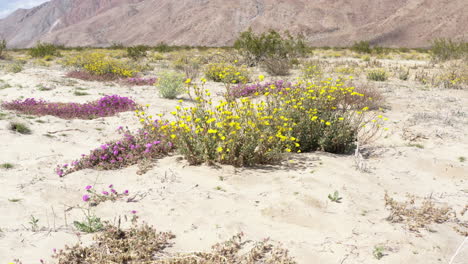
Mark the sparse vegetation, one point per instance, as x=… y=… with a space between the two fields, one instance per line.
x=20 y=128
x=44 y=49
x=3 y=45
x=446 y=49
x=379 y=75
x=7 y=166
x=170 y=84
x=335 y=197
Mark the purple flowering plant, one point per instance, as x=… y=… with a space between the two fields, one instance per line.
x=108 y=105
x=139 y=81
x=129 y=150
x=93 y=198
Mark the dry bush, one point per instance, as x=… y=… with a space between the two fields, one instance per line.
x=277 y=66
x=422 y=214
x=144 y=245
x=373 y=98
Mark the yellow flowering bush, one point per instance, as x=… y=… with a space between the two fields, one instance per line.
x=98 y=63
x=227 y=73
x=248 y=131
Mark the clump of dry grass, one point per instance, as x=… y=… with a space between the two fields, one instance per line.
x=418 y=215
x=142 y=244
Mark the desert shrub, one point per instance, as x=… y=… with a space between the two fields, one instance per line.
x=14 y=67
x=86 y=76
x=245 y=132
x=403 y=74
x=345 y=70
x=20 y=128
x=227 y=73
x=423 y=77
x=137 y=52
x=255 y=48
x=243 y=90
x=379 y=75
x=453 y=77
x=277 y=66
x=362 y=47
x=43 y=49
x=3 y=45
x=188 y=64
x=99 y=64
x=170 y=84
x=139 y=81
x=144 y=244
x=106 y=106
x=447 y=49
x=312 y=70
x=163 y=47
x=129 y=150
x=421 y=214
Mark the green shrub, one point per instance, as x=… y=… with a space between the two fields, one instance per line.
x=43 y=49
x=227 y=73
x=14 y=67
x=403 y=74
x=256 y=48
x=379 y=75
x=2 y=47
x=362 y=47
x=137 y=52
x=20 y=128
x=446 y=49
x=188 y=64
x=170 y=84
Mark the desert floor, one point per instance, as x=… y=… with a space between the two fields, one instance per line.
x=421 y=154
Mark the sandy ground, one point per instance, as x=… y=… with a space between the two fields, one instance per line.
x=203 y=205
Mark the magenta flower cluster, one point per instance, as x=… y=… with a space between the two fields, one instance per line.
x=94 y=198
x=139 y=81
x=122 y=153
x=108 y=105
x=243 y=90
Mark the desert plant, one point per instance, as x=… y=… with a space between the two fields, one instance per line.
x=170 y=84
x=255 y=48
x=33 y=223
x=378 y=252
x=43 y=49
x=20 y=128
x=14 y=67
x=403 y=74
x=90 y=224
x=142 y=243
x=447 y=49
x=188 y=64
x=137 y=52
x=277 y=66
x=130 y=149
x=335 y=197
x=3 y=45
x=379 y=75
x=362 y=47
x=6 y=166
x=99 y=64
x=227 y=73
x=106 y=106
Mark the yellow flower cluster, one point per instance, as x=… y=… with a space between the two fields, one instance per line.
x=100 y=64
x=226 y=73
x=248 y=131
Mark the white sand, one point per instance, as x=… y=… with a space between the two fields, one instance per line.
x=286 y=202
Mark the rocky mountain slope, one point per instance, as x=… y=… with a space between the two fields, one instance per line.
x=411 y=23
